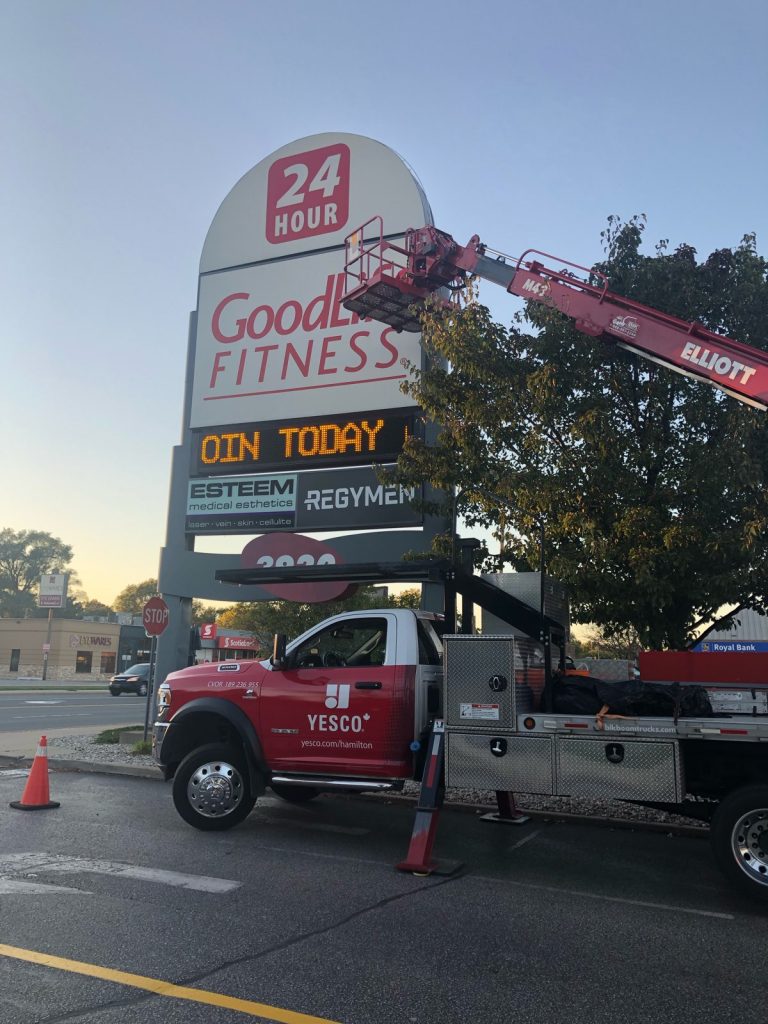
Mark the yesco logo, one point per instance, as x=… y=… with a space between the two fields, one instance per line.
x=337 y=695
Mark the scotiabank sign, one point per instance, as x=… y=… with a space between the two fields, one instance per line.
x=271 y=339
x=238 y=643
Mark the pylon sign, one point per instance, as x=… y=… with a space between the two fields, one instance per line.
x=293 y=406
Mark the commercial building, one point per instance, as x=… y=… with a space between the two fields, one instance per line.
x=78 y=649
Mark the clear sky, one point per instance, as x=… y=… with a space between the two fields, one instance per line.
x=126 y=122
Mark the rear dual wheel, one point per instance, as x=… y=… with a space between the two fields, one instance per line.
x=739 y=837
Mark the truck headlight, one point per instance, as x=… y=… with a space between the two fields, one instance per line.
x=163 y=699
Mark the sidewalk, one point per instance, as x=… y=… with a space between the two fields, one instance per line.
x=18 y=750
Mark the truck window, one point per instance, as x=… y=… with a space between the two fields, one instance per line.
x=353 y=642
x=430 y=648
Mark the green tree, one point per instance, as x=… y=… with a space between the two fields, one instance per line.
x=204 y=613
x=651 y=487
x=90 y=606
x=265 y=618
x=623 y=644
x=133 y=597
x=25 y=556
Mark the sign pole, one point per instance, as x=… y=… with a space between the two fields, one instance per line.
x=47 y=646
x=155 y=617
x=150 y=684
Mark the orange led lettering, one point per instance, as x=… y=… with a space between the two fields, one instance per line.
x=331 y=438
x=371 y=431
x=229 y=448
x=309 y=441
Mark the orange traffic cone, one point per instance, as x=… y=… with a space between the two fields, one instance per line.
x=35 y=797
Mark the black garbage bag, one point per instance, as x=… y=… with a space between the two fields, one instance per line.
x=585 y=695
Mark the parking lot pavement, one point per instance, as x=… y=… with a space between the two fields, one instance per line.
x=545 y=923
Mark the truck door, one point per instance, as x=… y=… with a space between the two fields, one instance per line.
x=338 y=705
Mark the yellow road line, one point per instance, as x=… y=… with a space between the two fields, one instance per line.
x=163 y=988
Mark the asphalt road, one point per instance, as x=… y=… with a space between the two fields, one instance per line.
x=301 y=911
x=46 y=710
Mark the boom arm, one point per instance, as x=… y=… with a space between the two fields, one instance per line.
x=390 y=282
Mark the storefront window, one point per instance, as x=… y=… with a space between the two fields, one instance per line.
x=107 y=664
x=84 y=661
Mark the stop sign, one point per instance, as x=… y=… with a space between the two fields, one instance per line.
x=154 y=615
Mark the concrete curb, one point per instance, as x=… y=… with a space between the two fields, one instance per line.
x=147 y=772
x=138 y=771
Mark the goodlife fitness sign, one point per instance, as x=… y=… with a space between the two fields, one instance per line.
x=273 y=339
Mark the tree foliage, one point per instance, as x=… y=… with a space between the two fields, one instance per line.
x=133 y=597
x=25 y=556
x=651 y=486
x=265 y=618
x=90 y=606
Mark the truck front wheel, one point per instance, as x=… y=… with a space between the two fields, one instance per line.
x=739 y=837
x=211 y=788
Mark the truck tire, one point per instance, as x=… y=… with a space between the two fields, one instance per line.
x=295 y=794
x=739 y=837
x=211 y=788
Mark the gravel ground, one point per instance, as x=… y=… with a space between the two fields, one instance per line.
x=82 y=748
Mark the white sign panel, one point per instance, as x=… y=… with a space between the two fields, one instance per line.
x=275 y=339
x=309 y=195
x=53 y=591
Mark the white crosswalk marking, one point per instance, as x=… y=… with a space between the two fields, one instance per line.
x=29 y=864
x=12 y=887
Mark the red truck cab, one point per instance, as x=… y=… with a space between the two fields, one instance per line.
x=346 y=708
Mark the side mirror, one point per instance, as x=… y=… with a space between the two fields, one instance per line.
x=278 y=650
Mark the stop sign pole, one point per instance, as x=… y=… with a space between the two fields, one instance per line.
x=155 y=617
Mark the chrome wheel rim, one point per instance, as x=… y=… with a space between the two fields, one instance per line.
x=215 y=789
x=749 y=842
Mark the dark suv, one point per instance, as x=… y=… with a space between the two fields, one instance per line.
x=134 y=680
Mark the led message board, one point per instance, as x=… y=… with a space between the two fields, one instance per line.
x=309 y=443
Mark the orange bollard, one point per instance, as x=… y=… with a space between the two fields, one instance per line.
x=36 y=796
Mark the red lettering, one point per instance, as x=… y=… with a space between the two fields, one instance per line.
x=337 y=320
x=269 y=319
x=265 y=350
x=290 y=352
x=327 y=353
x=291 y=304
x=216 y=320
x=324 y=310
x=390 y=347
x=217 y=367
x=358 y=351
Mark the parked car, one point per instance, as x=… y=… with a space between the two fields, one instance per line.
x=134 y=680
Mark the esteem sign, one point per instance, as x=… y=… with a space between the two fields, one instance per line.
x=323 y=500
x=289 y=444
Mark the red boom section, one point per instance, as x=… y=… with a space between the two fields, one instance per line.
x=390 y=281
